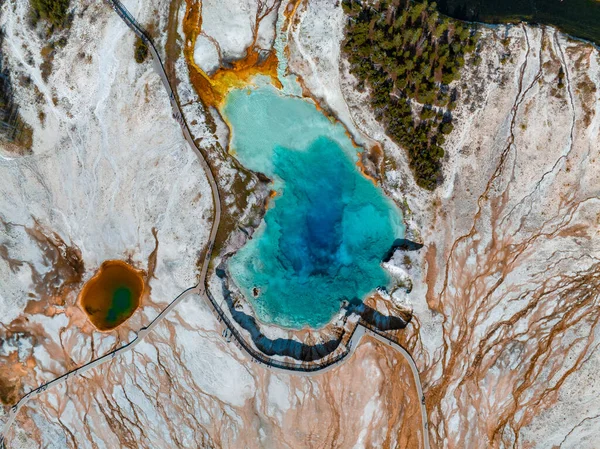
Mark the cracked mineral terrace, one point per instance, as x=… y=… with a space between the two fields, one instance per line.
x=503 y=294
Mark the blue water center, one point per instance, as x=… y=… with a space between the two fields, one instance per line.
x=324 y=234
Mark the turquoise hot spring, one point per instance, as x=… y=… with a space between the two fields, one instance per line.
x=324 y=234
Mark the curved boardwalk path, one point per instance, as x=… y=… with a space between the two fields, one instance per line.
x=361 y=329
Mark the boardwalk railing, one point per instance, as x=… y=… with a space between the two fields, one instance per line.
x=130 y=20
x=384 y=334
x=259 y=357
x=256 y=355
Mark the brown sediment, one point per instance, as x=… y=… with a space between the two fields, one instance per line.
x=96 y=297
x=230 y=220
x=387 y=307
x=373 y=160
x=11 y=373
x=519 y=302
x=328 y=410
x=326 y=111
x=172 y=45
x=66 y=271
x=431 y=276
x=52 y=284
x=365 y=172
x=152 y=258
x=290 y=11
x=272 y=195
x=401 y=391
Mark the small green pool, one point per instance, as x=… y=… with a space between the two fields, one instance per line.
x=112 y=295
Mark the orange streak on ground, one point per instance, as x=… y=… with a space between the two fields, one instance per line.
x=11 y=372
x=361 y=167
x=272 y=195
x=290 y=12
x=213 y=89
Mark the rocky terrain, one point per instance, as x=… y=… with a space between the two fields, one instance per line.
x=505 y=296
x=110 y=177
x=504 y=291
x=90 y=191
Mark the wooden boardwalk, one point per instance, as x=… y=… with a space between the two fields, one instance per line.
x=300 y=368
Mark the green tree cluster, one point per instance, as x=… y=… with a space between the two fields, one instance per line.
x=140 y=50
x=561 y=78
x=408 y=54
x=55 y=12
